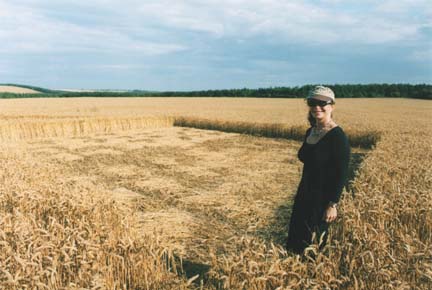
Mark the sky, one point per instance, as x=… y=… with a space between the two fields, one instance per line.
x=214 y=44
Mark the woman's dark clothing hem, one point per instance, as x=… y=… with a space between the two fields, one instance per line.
x=324 y=176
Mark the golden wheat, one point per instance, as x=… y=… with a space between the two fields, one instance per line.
x=358 y=138
x=55 y=236
x=15 y=128
x=57 y=233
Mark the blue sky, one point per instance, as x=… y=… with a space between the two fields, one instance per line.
x=193 y=45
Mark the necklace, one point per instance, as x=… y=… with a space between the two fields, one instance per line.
x=318 y=132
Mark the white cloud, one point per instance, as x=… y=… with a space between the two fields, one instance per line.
x=294 y=21
x=30 y=25
x=28 y=30
x=402 y=6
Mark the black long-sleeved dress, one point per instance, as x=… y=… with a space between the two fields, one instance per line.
x=324 y=176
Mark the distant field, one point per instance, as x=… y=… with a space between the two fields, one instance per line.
x=17 y=90
x=107 y=193
x=361 y=113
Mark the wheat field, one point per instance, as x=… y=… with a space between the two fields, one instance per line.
x=185 y=193
x=16 y=90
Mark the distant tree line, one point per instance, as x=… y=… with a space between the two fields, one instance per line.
x=419 y=91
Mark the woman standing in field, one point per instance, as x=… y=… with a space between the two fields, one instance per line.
x=325 y=154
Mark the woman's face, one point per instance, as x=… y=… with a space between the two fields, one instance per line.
x=321 y=112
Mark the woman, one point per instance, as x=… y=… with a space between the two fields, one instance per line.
x=325 y=154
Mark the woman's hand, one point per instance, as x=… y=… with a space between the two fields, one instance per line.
x=330 y=214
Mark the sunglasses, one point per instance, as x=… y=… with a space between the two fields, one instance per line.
x=315 y=102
